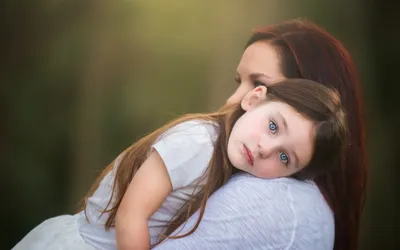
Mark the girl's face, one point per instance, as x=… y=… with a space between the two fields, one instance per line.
x=259 y=65
x=271 y=139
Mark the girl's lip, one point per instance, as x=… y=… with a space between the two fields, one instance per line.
x=248 y=155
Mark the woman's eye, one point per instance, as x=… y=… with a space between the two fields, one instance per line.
x=237 y=79
x=273 y=127
x=258 y=83
x=284 y=158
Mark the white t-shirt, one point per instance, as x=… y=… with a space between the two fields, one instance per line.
x=252 y=213
x=186 y=150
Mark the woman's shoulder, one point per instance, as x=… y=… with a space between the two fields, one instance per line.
x=284 y=184
x=288 y=209
x=303 y=198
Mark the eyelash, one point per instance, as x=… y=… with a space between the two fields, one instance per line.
x=287 y=158
x=237 y=79
x=255 y=83
x=272 y=122
x=258 y=83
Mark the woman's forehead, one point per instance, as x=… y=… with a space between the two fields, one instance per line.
x=260 y=58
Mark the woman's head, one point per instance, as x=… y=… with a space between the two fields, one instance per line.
x=301 y=49
x=294 y=128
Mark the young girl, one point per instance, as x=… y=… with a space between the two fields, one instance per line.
x=294 y=128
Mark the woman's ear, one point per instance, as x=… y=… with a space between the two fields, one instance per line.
x=254 y=97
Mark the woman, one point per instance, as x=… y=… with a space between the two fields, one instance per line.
x=294 y=215
x=295 y=128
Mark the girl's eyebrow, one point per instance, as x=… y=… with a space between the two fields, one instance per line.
x=283 y=121
x=296 y=159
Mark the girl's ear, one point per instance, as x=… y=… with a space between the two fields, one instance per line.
x=254 y=97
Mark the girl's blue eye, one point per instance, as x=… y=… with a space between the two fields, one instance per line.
x=273 y=127
x=284 y=158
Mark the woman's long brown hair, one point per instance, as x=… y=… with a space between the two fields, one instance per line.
x=309 y=52
x=315 y=101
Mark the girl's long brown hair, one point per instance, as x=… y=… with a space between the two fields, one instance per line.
x=219 y=169
x=315 y=101
x=308 y=51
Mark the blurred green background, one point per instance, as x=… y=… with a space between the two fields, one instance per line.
x=82 y=80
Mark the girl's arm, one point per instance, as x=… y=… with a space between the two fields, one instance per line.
x=149 y=187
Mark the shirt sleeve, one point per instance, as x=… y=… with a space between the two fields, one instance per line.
x=250 y=213
x=186 y=150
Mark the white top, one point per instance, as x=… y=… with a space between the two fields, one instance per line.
x=186 y=150
x=253 y=213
